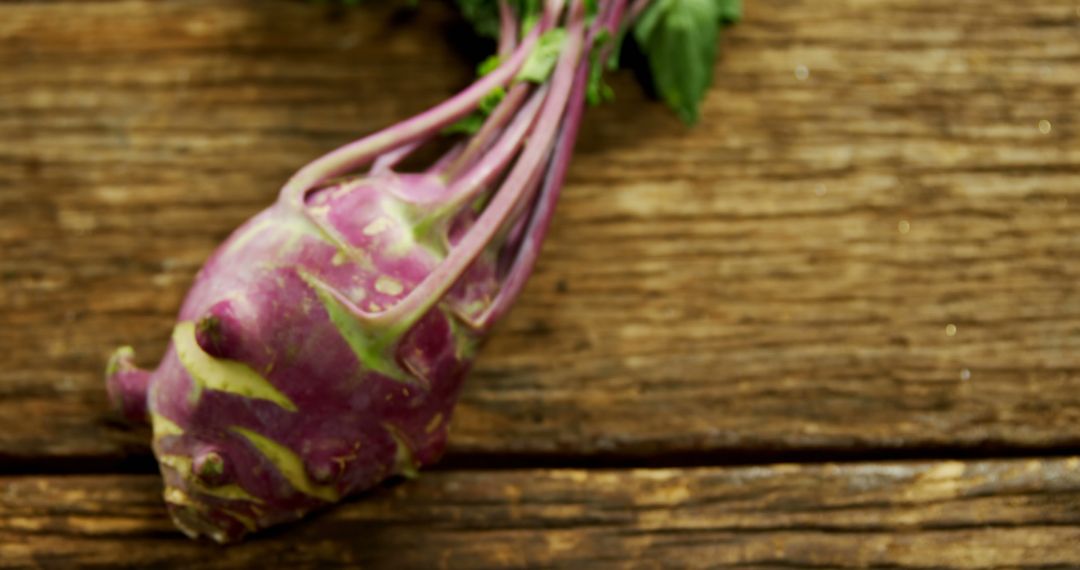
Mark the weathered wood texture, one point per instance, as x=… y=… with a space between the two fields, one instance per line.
x=995 y=514
x=780 y=277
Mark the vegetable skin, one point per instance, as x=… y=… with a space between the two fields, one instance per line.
x=323 y=346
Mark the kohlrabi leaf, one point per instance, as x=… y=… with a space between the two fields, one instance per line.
x=484 y=14
x=730 y=10
x=592 y=8
x=597 y=90
x=472 y=122
x=466 y=125
x=488 y=65
x=542 y=60
x=679 y=39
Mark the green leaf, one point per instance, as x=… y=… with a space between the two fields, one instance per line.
x=472 y=122
x=466 y=125
x=679 y=39
x=597 y=90
x=616 y=50
x=542 y=60
x=484 y=14
x=488 y=65
x=529 y=12
x=730 y=11
x=491 y=100
x=592 y=8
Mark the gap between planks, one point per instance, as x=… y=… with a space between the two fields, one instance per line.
x=144 y=463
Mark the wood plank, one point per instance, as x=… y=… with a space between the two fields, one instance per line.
x=780 y=277
x=986 y=514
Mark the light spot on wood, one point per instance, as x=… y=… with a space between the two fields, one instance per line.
x=77 y=221
x=563 y=542
x=939 y=482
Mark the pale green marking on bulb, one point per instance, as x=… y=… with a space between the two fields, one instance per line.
x=465 y=342
x=164 y=427
x=248 y=522
x=288 y=463
x=373 y=348
x=231 y=492
x=221 y=374
x=404 y=461
x=119 y=355
x=388 y=285
x=378 y=226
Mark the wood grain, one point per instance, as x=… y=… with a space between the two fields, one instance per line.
x=781 y=277
x=989 y=514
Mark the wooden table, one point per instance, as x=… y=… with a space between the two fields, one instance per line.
x=837 y=324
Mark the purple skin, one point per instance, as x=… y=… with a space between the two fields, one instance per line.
x=323 y=346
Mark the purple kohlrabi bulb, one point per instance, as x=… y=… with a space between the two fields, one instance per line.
x=323 y=346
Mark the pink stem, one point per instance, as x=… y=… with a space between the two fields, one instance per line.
x=388 y=160
x=468 y=186
x=540 y=220
x=511 y=244
x=514 y=189
x=427 y=123
x=446 y=159
x=481 y=141
x=636 y=9
x=509 y=105
x=507 y=28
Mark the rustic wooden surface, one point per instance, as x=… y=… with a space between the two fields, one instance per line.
x=1015 y=514
x=697 y=294
x=870 y=248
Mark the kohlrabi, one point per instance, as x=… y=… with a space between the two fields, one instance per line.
x=323 y=346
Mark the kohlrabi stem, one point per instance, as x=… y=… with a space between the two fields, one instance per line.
x=446 y=159
x=481 y=141
x=636 y=9
x=508 y=26
x=607 y=19
x=468 y=185
x=512 y=191
x=615 y=18
x=358 y=153
x=388 y=160
x=540 y=218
